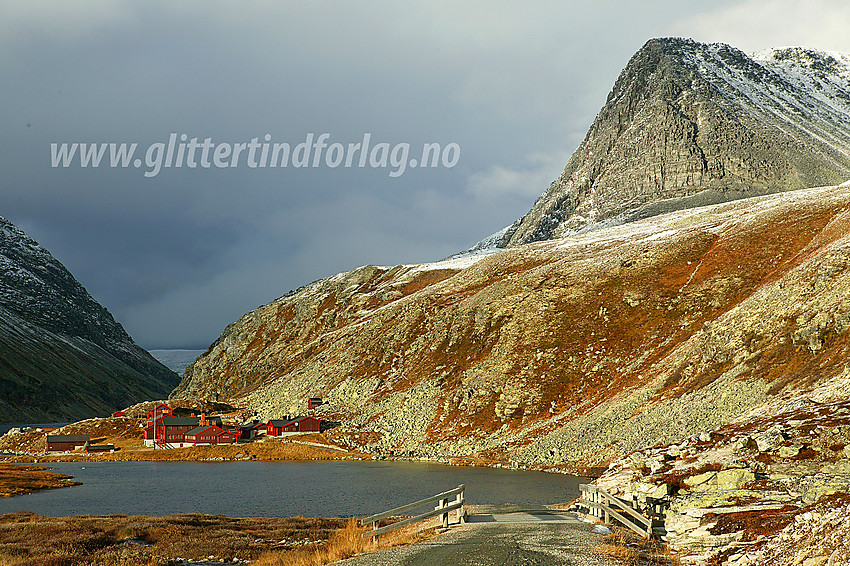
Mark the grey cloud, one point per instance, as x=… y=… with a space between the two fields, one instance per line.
x=179 y=256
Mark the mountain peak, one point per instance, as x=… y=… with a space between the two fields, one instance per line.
x=825 y=62
x=689 y=124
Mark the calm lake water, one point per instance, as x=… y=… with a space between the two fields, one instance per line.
x=279 y=489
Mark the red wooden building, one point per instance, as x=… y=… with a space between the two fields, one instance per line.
x=65 y=442
x=299 y=424
x=170 y=431
x=314 y=402
x=210 y=434
x=160 y=410
x=119 y=414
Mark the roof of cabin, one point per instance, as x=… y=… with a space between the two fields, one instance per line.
x=67 y=437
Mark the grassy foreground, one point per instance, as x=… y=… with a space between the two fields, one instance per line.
x=120 y=540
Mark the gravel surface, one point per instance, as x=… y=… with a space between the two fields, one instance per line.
x=498 y=544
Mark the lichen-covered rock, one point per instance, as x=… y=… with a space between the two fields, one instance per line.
x=769 y=440
x=789 y=451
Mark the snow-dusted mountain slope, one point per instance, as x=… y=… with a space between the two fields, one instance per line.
x=569 y=351
x=689 y=124
x=62 y=355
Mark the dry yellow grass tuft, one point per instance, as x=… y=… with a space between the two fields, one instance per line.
x=629 y=549
x=342 y=544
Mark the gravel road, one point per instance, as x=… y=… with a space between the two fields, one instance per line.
x=498 y=544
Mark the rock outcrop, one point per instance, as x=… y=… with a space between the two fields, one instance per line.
x=62 y=355
x=691 y=124
x=771 y=487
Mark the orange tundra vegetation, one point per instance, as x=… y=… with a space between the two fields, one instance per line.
x=542 y=337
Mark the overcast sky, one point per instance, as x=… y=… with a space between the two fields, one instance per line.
x=177 y=256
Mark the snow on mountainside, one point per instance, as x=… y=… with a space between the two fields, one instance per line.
x=689 y=124
x=62 y=355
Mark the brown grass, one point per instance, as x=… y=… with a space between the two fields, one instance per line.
x=344 y=543
x=752 y=523
x=628 y=548
x=119 y=540
x=17 y=480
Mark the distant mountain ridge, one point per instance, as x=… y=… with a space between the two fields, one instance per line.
x=688 y=124
x=62 y=354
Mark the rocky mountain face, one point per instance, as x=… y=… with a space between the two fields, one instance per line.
x=570 y=351
x=575 y=351
x=690 y=124
x=62 y=355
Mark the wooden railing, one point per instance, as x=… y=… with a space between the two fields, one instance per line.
x=443 y=509
x=603 y=505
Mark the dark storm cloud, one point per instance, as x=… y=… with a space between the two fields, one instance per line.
x=178 y=256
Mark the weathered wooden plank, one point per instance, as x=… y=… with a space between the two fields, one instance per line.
x=375 y=518
x=630 y=524
x=622 y=518
x=416 y=519
x=618 y=503
x=621 y=505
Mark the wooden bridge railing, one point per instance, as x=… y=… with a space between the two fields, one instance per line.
x=605 y=506
x=443 y=509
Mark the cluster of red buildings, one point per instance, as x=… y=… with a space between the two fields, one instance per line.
x=165 y=430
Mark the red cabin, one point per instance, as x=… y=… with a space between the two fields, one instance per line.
x=314 y=402
x=65 y=442
x=170 y=431
x=275 y=427
x=119 y=414
x=299 y=424
x=210 y=434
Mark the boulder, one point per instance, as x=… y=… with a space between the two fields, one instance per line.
x=723 y=480
x=769 y=440
x=789 y=451
x=734 y=478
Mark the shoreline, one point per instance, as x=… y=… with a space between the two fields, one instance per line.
x=18 y=479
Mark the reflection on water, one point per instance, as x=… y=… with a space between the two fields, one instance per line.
x=279 y=489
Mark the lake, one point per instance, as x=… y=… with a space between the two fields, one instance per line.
x=280 y=489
